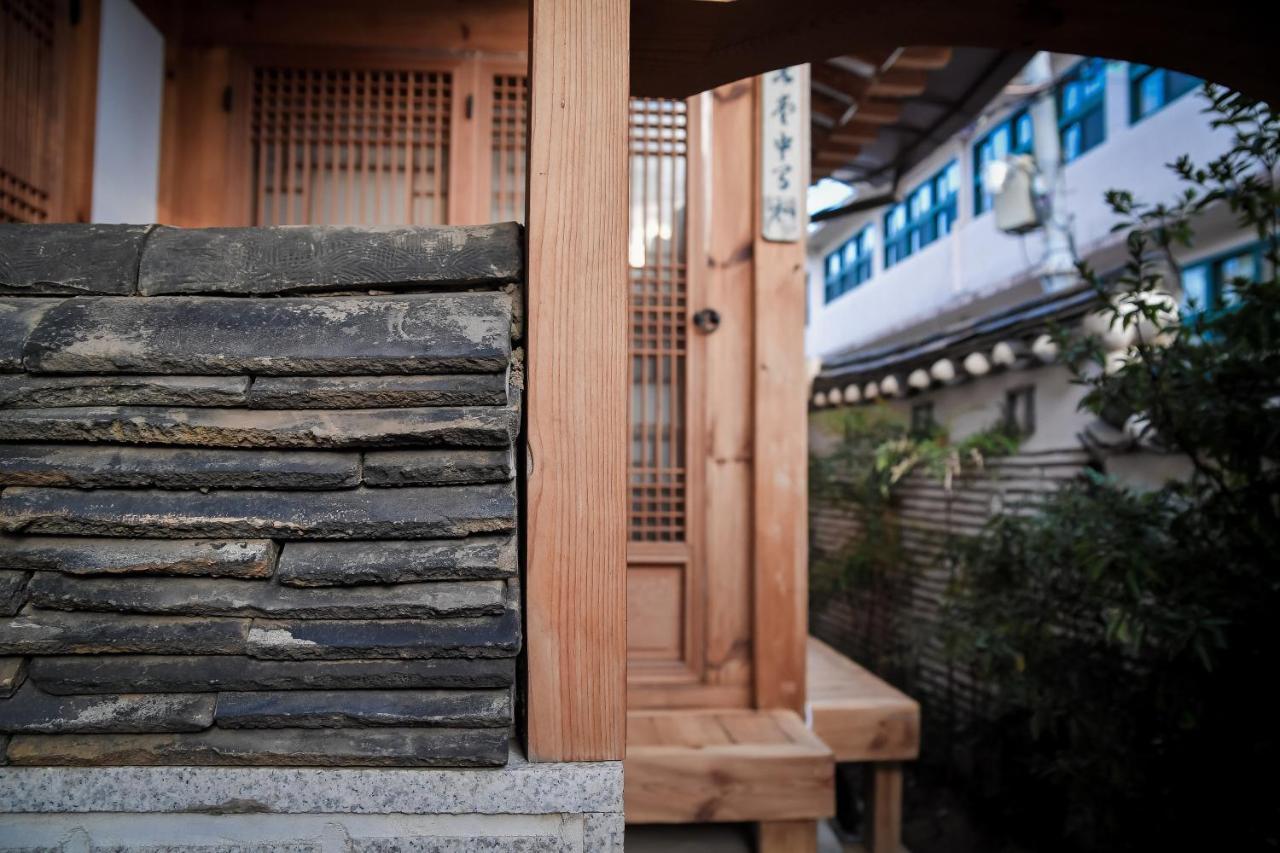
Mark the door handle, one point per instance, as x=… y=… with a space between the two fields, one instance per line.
x=707 y=320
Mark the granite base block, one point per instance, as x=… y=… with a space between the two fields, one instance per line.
x=521 y=807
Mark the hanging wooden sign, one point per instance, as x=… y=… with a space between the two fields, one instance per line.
x=784 y=151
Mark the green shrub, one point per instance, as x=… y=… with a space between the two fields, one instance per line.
x=1128 y=639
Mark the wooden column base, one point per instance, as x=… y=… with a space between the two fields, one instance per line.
x=787 y=836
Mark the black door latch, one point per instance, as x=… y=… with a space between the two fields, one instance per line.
x=707 y=320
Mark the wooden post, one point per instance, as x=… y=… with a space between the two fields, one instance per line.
x=882 y=822
x=576 y=431
x=787 y=836
x=780 y=523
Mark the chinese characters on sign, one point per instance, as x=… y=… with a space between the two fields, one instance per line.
x=784 y=145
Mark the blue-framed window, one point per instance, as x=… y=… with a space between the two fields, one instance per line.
x=1082 y=114
x=1151 y=89
x=1011 y=136
x=928 y=213
x=850 y=265
x=1208 y=285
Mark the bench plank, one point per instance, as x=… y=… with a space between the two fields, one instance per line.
x=855 y=713
x=706 y=766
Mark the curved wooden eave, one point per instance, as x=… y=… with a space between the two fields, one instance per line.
x=681 y=47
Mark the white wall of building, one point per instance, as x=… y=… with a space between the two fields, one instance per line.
x=126 y=154
x=977 y=267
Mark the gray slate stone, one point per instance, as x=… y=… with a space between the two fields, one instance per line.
x=175 y=468
x=18 y=317
x=347 y=335
x=437 y=467
x=33 y=710
x=467 y=427
x=476 y=637
x=376 y=392
x=327 y=709
x=13 y=671
x=369 y=747
x=75 y=674
x=85 y=555
x=346 y=563
x=49 y=632
x=13 y=591
x=226 y=597
x=70 y=258
x=416 y=513
x=40 y=391
x=316 y=257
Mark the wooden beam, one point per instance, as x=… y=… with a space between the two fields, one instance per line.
x=925 y=58
x=898 y=82
x=780 y=526
x=576 y=430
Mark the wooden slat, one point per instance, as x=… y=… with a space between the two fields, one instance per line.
x=780 y=486
x=856 y=714
x=693 y=775
x=577 y=381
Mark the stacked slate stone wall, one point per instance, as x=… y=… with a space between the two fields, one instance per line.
x=258 y=501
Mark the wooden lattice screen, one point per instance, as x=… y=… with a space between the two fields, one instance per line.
x=350 y=147
x=28 y=110
x=659 y=320
x=507 y=149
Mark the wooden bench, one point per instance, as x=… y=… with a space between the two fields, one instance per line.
x=701 y=766
x=863 y=719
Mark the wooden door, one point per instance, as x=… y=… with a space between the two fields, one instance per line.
x=688 y=573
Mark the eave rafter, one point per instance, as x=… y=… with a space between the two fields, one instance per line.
x=856 y=95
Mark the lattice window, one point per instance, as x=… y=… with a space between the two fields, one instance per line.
x=27 y=109
x=659 y=320
x=507 y=149
x=350 y=147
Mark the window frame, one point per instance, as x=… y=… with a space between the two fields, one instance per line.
x=922 y=224
x=1215 y=286
x=1020 y=410
x=1009 y=123
x=848 y=277
x=1139 y=73
x=1091 y=106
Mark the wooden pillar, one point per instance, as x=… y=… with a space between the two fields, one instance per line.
x=780 y=522
x=576 y=430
